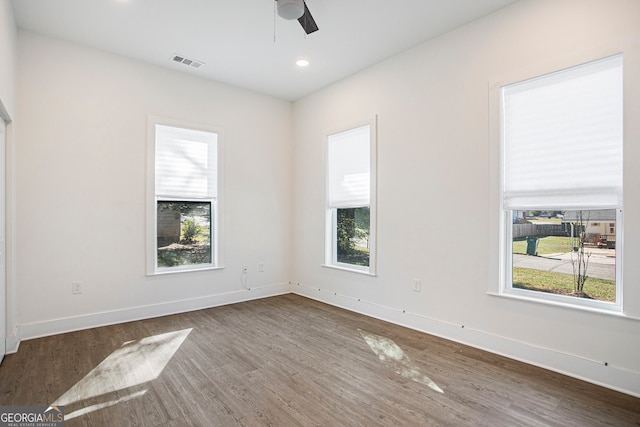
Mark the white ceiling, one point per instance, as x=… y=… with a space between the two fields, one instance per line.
x=235 y=38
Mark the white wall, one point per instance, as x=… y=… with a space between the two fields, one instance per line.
x=436 y=200
x=81 y=187
x=7 y=58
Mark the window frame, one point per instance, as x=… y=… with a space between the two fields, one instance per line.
x=501 y=227
x=216 y=236
x=330 y=252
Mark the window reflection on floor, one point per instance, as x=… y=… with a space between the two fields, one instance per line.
x=392 y=355
x=126 y=370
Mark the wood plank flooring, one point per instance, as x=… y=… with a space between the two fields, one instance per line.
x=288 y=361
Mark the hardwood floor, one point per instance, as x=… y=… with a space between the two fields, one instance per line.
x=287 y=361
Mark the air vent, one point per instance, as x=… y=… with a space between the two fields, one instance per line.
x=186 y=61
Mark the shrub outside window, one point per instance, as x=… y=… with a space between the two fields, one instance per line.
x=183 y=233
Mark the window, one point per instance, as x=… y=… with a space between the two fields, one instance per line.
x=561 y=136
x=350 y=216
x=183 y=199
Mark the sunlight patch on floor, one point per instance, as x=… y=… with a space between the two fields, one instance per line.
x=392 y=355
x=135 y=363
x=97 y=406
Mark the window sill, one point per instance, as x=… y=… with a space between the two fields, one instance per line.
x=613 y=310
x=186 y=270
x=350 y=269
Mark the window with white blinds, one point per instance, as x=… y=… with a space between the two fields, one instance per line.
x=562 y=175
x=351 y=213
x=349 y=167
x=562 y=138
x=185 y=163
x=183 y=203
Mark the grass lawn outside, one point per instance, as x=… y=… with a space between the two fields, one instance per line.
x=184 y=253
x=359 y=255
x=546 y=245
x=187 y=252
x=562 y=283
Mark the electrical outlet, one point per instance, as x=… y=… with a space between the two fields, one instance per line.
x=261 y=267
x=76 y=288
x=417 y=285
x=245 y=269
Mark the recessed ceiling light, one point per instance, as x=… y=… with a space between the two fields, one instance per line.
x=302 y=62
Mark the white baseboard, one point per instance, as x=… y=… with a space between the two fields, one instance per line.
x=12 y=342
x=93 y=320
x=616 y=378
x=571 y=365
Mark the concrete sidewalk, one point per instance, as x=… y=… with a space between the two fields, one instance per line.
x=601 y=263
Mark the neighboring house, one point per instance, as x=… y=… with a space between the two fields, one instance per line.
x=599 y=225
x=519 y=217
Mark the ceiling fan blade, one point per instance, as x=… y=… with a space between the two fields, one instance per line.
x=306 y=20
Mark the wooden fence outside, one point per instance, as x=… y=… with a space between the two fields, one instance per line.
x=540 y=230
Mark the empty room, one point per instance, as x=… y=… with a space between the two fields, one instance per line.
x=319 y=213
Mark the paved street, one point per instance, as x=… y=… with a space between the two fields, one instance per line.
x=601 y=263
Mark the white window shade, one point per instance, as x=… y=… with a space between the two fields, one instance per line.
x=562 y=138
x=186 y=163
x=349 y=164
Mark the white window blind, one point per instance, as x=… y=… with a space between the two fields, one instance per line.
x=562 y=138
x=186 y=163
x=349 y=168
